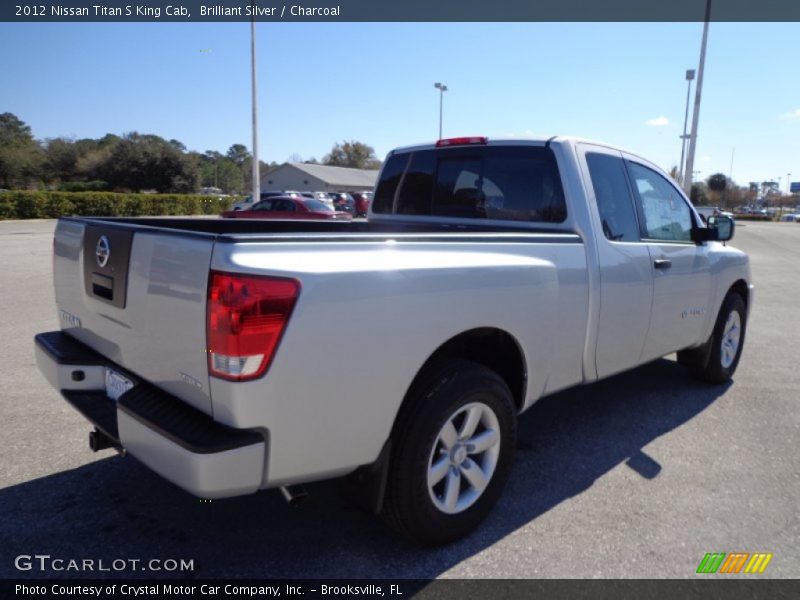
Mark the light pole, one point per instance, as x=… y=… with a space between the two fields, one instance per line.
x=687 y=184
x=256 y=176
x=442 y=89
x=689 y=78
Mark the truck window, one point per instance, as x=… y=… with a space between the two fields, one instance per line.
x=666 y=215
x=517 y=183
x=416 y=192
x=387 y=186
x=613 y=196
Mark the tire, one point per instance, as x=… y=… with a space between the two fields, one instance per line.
x=719 y=363
x=459 y=393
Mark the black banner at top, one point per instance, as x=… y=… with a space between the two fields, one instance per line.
x=395 y=10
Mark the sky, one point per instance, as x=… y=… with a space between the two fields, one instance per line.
x=321 y=83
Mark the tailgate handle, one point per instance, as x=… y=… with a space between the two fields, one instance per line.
x=103 y=286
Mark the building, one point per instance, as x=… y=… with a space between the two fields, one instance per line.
x=303 y=177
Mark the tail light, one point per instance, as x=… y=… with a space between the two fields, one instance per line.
x=246 y=318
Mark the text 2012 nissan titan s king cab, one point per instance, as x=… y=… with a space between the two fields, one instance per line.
x=231 y=356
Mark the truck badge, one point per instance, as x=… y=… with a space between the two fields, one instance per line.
x=103 y=251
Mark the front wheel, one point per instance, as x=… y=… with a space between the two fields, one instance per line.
x=452 y=453
x=726 y=343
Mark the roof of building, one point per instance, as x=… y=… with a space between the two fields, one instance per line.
x=338 y=175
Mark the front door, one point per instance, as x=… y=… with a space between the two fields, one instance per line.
x=682 y=281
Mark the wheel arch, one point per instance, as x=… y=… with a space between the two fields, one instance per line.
x=740 y=287
x=491 y=347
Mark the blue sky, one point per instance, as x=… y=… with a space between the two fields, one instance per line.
x=373 y=82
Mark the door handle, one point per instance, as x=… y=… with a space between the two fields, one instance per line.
x=662 y=263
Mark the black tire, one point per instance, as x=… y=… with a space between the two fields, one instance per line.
x=709 y=365
x=438 y=394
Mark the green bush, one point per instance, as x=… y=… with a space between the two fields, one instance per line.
x=54 y=204
x=28 y=205
x=57 y=204
x=753 y=217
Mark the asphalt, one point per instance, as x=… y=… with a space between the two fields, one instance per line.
x=637 y=476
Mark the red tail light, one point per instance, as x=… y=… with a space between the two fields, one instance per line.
x=246 y=318
x=462 y=141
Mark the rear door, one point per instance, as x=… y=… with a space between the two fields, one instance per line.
x=626 y=271
x=682 y=279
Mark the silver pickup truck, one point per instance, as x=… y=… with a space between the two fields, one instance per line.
x=231 y=356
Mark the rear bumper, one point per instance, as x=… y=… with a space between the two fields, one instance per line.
x=178 y=442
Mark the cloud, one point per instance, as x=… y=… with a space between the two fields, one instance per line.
x=791 y=115
x=657 y=122
x=705 y=158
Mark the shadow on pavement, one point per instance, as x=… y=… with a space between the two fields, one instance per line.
x=116 y=508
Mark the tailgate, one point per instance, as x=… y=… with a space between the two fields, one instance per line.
x=137 y=295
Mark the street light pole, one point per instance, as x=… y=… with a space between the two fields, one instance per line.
x=689 y=78
x=442 y=89
x=256 y=183
x=687 y=184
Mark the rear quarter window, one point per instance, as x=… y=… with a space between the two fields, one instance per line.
x=514 y=183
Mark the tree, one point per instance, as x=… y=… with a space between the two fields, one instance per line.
x=699 y=194
x=769 y=187
x=229 y=176
x=717 y=182
x=92 y=155
x=20 y=154
x=60 y=160
x=238 y=154
x=140 y=162
x=351 y=154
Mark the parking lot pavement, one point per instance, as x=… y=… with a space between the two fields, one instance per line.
x=636 y=476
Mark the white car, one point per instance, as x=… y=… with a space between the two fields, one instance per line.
x=231 y=356
x=794 y=218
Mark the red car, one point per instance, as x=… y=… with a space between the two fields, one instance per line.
x=284 y=207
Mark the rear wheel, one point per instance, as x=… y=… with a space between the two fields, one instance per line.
x=452 y=452
x=726 y=344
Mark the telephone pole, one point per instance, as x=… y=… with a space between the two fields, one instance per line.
x=687 y=184
x=256 y=175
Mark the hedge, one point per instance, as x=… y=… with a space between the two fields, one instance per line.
x=746 y=217
x=50 y=205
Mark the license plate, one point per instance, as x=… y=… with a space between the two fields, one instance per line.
x=116 y=384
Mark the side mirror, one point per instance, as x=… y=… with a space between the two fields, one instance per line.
x=718 y=229
x=724 y=226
